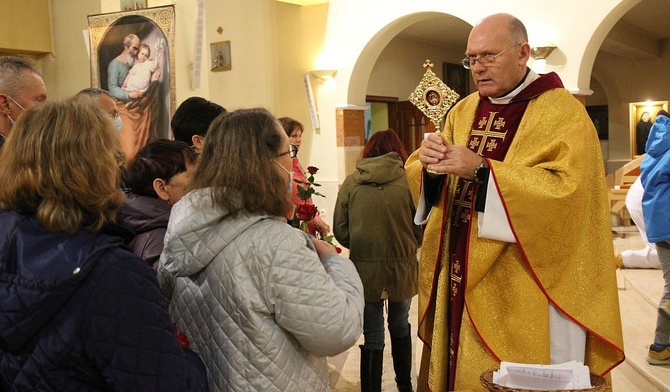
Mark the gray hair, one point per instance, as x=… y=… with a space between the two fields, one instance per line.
x=128 y=39
x=517 y=31
x=11 y=68
x=94 y=92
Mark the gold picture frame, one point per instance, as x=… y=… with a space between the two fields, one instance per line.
x=636 y=110
x=145 y=114
x=220 y=59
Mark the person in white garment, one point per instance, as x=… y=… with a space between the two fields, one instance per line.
x=646 y=257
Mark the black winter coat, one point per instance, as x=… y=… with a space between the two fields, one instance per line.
x=80 y=313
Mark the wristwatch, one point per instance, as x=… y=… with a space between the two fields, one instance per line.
x=481 y=174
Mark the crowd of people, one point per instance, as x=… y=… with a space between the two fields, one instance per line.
x=176 y=269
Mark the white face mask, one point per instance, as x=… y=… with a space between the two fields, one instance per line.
x=118 y=123
x=11 y=120
x=290 y=176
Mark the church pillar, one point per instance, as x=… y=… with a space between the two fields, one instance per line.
x=581 y=98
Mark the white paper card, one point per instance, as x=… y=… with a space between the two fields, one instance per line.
x=568 y=375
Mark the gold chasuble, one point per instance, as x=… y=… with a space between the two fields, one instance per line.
x=483 y=301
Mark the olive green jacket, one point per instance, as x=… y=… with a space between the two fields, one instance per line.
x=374 y=218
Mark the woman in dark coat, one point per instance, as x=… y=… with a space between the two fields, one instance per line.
x=374 y=219
x=78 y=311
x=156 y=178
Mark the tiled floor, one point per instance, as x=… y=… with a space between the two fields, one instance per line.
x=345 y=367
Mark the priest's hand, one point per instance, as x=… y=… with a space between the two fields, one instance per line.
x=432 y=150
x=438 y=156
x=460 y=161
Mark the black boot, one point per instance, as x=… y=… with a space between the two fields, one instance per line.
x=401 y=350
x=372 y=361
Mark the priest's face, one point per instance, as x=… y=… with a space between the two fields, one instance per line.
x=503 y=61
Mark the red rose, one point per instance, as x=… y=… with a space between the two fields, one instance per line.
x=312 y=170
x=181 y=337
x=305 y=212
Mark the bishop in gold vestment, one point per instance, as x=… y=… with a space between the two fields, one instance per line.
x=550 y=179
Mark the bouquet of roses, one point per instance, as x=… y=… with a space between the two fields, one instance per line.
x=305 y=212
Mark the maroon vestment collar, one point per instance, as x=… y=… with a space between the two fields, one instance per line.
x=543 y=83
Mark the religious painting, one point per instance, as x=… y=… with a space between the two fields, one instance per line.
x=132 y=57
x=456 y=77
x=598 y=114
x=220 y=56
x=642 y=116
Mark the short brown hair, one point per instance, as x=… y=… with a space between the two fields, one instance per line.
x=237 y=163
x=290 y=124
x=59 y=165
x=162 y=159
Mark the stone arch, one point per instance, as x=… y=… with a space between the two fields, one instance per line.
x=596 y=41
x=360 y=73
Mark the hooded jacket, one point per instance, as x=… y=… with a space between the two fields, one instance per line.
x=148 y=218
x=655 y=177
x=374 y=218
x=80 y=313
x=255 y=300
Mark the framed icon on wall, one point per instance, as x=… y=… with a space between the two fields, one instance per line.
x=457 y=78
x=132 y=57
x=220 y=56
x=642 y=116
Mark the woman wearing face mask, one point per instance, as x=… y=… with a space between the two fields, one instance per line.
x=107 y=103
x=261 y=302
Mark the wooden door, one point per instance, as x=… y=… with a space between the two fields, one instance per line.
x=412 y=126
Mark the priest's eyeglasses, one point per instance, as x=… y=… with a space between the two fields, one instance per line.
x=484 y=60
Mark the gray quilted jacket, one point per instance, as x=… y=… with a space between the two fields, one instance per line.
x=254 y=299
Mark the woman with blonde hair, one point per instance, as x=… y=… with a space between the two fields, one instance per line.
x=261 y=302
x=78 y=311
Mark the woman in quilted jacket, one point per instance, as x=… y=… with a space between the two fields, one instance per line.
x=79 y=312
x=262 y=302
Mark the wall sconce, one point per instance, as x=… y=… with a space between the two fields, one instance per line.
x=542 y=50
x=324 y=74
